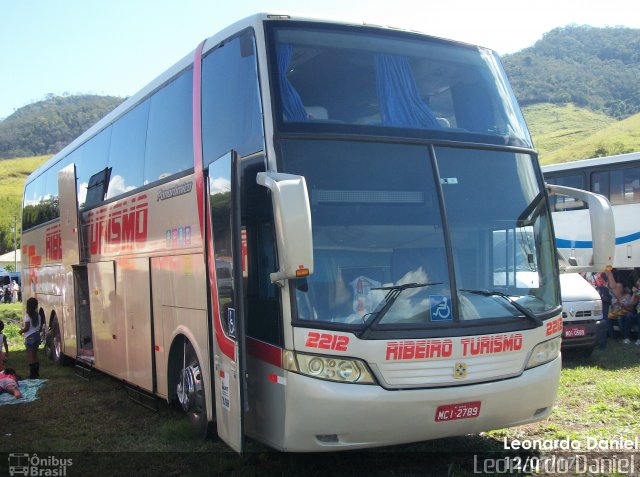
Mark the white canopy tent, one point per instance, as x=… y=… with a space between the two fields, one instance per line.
x=9 y=258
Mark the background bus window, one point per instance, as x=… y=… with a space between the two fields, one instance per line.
x=560 y=203
x=514 y=259
x=625 y=186
x=600 y=183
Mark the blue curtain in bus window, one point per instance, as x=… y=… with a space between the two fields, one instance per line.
x=398 y=95
x=291 y=102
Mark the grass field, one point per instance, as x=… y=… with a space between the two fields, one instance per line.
x=96 y=424
x=563 y=133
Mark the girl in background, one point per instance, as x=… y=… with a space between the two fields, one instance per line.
x=31 y=332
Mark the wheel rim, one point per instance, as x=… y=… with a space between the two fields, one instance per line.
x=57 y=342
x=189 y=389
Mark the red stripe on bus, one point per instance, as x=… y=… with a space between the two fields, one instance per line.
x=264 y=351
x=226 y=344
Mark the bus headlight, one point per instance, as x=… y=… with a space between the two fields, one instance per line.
x=544 y=352
x=331 y=368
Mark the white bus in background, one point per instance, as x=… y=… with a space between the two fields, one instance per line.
x=618 y=179
x=319 y=235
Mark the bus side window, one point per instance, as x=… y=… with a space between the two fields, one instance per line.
x=600 y=183
x=231 y=111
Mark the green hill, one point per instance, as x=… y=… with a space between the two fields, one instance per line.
x=595 y=68
x=618 y=137
x=555 y=127
x=47 y=126
x=563 y=133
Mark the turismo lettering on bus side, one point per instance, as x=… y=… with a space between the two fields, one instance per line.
x=122 y=229
x=491 y=344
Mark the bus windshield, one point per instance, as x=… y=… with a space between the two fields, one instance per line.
x=381 y=248
x=334 y=78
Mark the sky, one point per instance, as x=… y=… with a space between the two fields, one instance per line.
x=115 y=47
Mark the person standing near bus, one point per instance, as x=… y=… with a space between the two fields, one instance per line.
x=15 y=288
x=31 y=332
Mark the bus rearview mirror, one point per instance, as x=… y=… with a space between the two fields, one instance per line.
x=292 y=217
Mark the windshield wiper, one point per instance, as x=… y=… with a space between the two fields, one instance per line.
x=532 y=211
x=525 y=311
x=393 y=292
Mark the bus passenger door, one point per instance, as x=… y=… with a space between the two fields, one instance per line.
x=225 y=259
x=70 y=245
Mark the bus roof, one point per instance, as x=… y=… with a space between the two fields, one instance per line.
x=255 y=21
x=598 y=161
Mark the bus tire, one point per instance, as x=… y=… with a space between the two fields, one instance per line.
x=191 y=391
x=55 y=339
x=48 y=345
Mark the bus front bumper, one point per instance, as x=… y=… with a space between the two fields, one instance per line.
x=328 y=416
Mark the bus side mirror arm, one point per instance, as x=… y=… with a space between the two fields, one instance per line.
x=292 y=217
x=602 y=228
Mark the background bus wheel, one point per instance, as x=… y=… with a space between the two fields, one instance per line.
x=191 y=392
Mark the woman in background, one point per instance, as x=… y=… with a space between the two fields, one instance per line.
x=31 y=332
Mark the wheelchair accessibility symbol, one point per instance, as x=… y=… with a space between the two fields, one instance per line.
x=440 y=306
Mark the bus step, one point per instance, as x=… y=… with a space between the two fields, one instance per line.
x=83 y=369
x=142 y=398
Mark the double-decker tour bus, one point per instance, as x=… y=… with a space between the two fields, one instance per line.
x=618 y=179
x=319 y=235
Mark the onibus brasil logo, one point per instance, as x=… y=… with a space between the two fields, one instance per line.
x=33 y=465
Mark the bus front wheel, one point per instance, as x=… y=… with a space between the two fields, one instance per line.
x=191 y=391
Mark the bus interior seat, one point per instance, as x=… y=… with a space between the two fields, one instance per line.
x=317 y=113
x=407 y=260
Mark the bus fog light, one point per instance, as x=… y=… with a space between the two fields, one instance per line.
x=544 y=352
x=343 y=370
